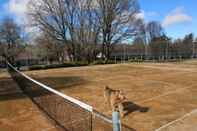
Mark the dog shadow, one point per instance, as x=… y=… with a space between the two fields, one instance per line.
x=130 y=107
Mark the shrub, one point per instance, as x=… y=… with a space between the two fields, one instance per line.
x=36 y=67
x=102 y=62
x=69 y=64
x=136 y=60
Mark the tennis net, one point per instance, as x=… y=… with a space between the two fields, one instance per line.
x=65 y=112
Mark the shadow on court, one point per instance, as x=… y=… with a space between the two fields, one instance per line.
x=9 y=89
x=132 y=107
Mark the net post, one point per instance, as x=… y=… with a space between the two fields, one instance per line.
x=91 y=122
x=116 y=121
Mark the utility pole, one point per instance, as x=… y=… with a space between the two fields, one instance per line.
x=167 y=52
x=124 y=46
x=146 y=51
x=194 y=45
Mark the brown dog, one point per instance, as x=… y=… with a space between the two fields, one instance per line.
x=115 y=99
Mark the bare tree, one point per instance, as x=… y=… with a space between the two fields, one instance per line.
x=86 y=30
x=139 y=45
x=2 y=48
x=187 y=45
x=160 y=47
x=10 y=39
x=153 y=30
x=50 y=49
x=49 y=16
x=117 y=18
x=72 y=22
x=142 y=38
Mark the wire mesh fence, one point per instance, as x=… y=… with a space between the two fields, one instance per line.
x=66 y=113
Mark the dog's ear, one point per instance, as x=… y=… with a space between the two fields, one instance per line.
x=106 y=87
x=122 y=94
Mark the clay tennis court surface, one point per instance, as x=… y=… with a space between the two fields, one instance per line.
x=160 y=97
x=17 y=112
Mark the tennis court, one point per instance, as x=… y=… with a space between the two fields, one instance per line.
x=160 y=96
x=157 y=93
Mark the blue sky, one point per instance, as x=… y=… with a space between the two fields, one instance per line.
x=178 y=17
x=2 y=8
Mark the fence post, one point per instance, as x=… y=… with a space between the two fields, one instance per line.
x=116 y=121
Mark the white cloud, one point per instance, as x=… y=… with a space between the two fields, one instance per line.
x=152 y=14
x=146 y=14
x=140 y=15
x=176 y=16
x=18 y=8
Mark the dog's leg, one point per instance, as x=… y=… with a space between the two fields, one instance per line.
x=121 y=109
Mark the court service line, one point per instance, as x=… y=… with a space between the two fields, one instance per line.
x=111 y=78
x=156 y=97
x=179 y=119
x=47 y=129
x=167 y=68
x=165 y=94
